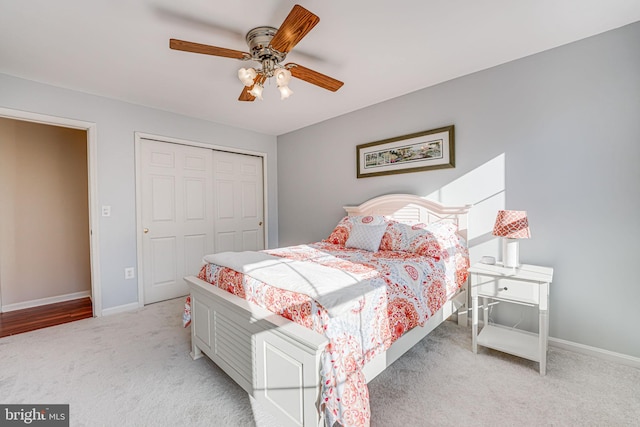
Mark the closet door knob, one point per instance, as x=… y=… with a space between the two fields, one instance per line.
x=260 y=223
x=146 y=230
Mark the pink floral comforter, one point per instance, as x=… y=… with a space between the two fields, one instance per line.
x=415 y=287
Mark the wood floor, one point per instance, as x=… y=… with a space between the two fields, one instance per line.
x=29 y=319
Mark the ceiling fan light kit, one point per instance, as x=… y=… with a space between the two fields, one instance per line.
x=269 y=46
x=283 y=76
x=256 y=91
x=247 y=75
x=285 y=92
x=259 y=40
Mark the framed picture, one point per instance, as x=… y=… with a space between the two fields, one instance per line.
x=421 y=151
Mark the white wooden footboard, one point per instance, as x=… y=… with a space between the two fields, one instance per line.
x=275 y=360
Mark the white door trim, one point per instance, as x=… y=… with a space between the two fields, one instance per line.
x=139 y=136
x=92 y=164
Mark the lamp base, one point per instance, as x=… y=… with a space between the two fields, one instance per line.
x=510 y=252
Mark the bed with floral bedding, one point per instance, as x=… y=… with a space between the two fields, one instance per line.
x=304 y=328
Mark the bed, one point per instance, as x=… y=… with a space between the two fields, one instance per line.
x=302 y=371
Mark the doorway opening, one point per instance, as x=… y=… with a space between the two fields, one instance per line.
x=48 y=269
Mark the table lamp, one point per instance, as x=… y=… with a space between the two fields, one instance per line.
x=511 y=226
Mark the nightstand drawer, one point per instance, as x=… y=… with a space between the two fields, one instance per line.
x=508 y=289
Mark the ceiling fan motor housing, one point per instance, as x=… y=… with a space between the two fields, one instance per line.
x=258 y=41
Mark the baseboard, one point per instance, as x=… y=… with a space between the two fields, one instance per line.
x=120 y=309
x=45 y=301
x=596 y=352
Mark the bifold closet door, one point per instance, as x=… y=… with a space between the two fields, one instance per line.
x=238 y=202
x=177 y=207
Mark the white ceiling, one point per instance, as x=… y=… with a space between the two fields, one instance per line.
x=380 y=49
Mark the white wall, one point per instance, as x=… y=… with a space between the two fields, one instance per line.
x=116 y=123
x=556 y=134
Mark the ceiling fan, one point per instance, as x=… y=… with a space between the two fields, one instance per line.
x=269 y=46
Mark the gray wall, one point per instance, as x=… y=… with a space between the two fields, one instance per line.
x=556 y=134
x=116 y=123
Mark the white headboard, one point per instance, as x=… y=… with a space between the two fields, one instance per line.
x=412 y=209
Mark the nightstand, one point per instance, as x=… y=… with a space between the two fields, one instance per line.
x=525 y=285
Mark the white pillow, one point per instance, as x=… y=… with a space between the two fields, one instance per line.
x=366 y=236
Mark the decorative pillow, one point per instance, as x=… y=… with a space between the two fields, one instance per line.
x=392 y=239
x=365 y=236
x=433 y=240
x=340 y=234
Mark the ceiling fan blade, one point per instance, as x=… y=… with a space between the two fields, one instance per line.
x=206 y=49
x=314 y=77
x=245 y=95
x=295 y=26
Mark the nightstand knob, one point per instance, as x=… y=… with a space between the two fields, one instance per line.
x=505 y=289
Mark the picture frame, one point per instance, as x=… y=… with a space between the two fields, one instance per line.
x=416 y=152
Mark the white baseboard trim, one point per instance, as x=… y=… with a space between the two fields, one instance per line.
x=596 y=352
x=120 y=309
x=45 y=301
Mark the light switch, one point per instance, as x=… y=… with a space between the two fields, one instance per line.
x=106 y=210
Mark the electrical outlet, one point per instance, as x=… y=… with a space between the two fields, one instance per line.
x=106 y=210
x=129 y=273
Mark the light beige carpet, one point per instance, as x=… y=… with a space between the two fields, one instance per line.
x=134 y=369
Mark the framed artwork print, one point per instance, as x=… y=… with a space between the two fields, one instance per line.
x=421 y=151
